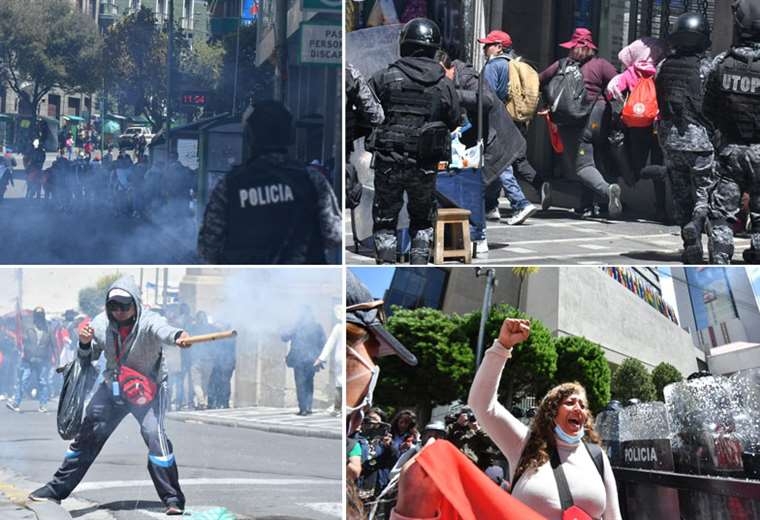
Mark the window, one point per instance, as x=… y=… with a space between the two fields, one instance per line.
x=414 y=287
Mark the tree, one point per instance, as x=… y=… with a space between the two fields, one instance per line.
x=662 y=375
x=137 y=50
x=579 y=359
x=253 y=82
x=533 y=363
x=92 y=299
x=446 y=361
x=522 y=273
x=631 y=380
x=45 y=45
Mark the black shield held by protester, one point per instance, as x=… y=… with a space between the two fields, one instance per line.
x=78 y=378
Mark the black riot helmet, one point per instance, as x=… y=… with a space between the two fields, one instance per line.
x=419 y=37
x=747 y=20
x=690 y=32
x=269 y=127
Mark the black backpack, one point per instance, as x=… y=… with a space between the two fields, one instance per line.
x=566 y=94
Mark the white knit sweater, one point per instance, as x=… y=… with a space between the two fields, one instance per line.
x=538 y=489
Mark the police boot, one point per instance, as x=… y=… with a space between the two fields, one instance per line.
x=721 y=245
x=420 y=254
x=692 y=244
x=752 y=255
x=385 y=247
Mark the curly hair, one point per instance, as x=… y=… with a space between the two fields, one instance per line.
x=541 y=433
x=412 y=428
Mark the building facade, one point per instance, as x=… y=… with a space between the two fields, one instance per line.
x=626 y=319
x=719 y=309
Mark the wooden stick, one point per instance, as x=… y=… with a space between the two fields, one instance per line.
x=209 y=337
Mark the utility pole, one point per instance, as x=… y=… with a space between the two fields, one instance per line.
x=170 y=80
x=490 y=275
x=237 y=60
x=281 y=48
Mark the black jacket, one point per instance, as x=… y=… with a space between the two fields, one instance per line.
x=503 y=140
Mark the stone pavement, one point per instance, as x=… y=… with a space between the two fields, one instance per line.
x=559 y=236
x=276 y=420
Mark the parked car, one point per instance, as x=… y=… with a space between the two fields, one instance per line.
x=129 y=138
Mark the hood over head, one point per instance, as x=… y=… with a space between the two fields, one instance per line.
x=122 y=289
x=423 y=70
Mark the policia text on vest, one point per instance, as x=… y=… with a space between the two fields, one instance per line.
x=264 y=195
x=744 y=84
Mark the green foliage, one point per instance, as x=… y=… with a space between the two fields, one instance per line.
x=446 y=362
x=252 y=82
x=533 y=363
x=631 y=380
x=92 y=299
x=579 y=359
x=48 y=44
x=662 y=375
x=137 y=52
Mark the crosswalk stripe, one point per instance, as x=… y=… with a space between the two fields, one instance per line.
x=113 y=484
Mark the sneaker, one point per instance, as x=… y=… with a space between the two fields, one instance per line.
x=42 y=409
x=43 y=494
x=546 y=196
x=481 y=247
x=522 y=215
x=174 y=509
x=614 y=205
x=3 y=397
x=12 y=406
x=493 y=214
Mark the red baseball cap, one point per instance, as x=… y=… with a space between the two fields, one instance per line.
x=497 y=37
x=581 y=37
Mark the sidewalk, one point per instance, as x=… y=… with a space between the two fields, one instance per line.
x=15 y=488
x=11 y=511
x=276 y=420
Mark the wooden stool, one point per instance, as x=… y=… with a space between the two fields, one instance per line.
x=458 y=221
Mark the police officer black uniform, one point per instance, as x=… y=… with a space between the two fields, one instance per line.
x=270 y=210
x=684 y=132
x=421 y=108
x=363 y=111
x=732 y=102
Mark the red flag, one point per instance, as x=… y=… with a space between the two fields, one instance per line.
x=468 y=494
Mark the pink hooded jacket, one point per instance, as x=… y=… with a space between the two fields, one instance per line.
x=640 y=58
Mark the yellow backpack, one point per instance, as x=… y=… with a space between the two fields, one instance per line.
x=523 y=92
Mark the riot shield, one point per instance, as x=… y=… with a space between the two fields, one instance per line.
x=370 y=50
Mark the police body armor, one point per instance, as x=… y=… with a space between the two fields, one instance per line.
x=271 y=215
x=413 y=128
x=680 y=91
x=737 y=99
x=351 y=117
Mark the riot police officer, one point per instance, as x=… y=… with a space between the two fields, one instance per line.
x=684 y=131
x=421 y=108
x=271 y=209
x=732 y=102
x=363 y=111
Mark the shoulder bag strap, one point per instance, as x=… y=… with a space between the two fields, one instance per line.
x=596 y=455
x=565 y=498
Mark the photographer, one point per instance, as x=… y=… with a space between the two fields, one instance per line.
x=377 y=454
x=465 y=433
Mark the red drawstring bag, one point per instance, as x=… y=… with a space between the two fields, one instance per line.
x=137 y=388
x=640 y=109
x=554 y=136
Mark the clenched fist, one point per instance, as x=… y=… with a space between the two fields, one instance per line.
x=514 y=331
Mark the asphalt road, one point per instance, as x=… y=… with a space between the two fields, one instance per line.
x=559 y=236
x=256 y=475
x=40 y=232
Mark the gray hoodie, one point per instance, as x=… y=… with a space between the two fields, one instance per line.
x=143 y=347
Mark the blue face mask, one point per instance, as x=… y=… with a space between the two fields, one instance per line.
x=569 y=439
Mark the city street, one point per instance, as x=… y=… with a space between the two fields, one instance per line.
x=38 y=232
x=255 y=474
x=559 y=236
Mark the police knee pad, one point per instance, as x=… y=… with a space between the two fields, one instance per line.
x=420 y=254
x=385 y=247
x=721 y=245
